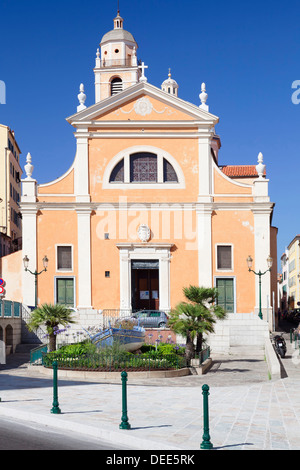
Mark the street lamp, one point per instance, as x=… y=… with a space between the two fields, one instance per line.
x=249 y=263
x=35 y=273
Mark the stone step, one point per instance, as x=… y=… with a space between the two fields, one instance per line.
x=26 y=348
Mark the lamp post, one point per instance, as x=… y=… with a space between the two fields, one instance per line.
x=259 y=274
x=35 y=273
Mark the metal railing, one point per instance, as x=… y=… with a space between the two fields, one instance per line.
x=39 y=335
x=112 y=363
x=110 y=315
x=119 y=63
x=10 y=309
x=36 y=355
x=204 y=355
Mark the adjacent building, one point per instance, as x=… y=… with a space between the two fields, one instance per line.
x=294 y=273
x=10 y=192
x=146 y=207
x=283 y=283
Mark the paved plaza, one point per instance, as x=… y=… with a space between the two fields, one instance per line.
x=247 y=410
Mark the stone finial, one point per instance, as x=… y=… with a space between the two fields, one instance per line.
x=81 y=98
x=260 y=167
x=203 y=97
x=28 y=167
x=134 y=58
x=98 y=59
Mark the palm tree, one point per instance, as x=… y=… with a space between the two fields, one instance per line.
x=194 y=319
x=51 y=316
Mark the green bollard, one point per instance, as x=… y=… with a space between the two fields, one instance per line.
x=206 y=444
x=55 y=406
x=124 y=422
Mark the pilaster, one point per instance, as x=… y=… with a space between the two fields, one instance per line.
x=84 y=258
x=204 y=234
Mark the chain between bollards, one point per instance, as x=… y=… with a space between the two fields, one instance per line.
x=124 y=421
x=206 y=444
x=55 y=405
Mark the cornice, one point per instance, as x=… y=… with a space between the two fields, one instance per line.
x=256 y=208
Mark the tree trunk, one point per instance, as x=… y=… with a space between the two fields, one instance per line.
x=199 y=343
x=189 y=349
x=52 y=342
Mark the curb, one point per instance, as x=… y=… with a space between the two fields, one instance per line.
x=124 y=438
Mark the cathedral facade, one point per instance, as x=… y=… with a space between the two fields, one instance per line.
x=146 y=207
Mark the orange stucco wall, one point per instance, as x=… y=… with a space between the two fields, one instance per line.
x=11 y=267
x=106 y=257
x=183 y=150
x=236 y=228
x=222 y=185
x=63 y=186
x=54 y=228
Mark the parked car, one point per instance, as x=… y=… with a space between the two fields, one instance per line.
x=151 y=318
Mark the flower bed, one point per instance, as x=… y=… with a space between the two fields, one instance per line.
x=84 y=356
x=104 y=362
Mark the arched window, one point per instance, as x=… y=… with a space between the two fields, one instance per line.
x=117 y=175
x=116 y=86
x=143 y=167
x=170 y=175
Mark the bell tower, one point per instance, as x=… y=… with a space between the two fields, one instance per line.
x=116 y=62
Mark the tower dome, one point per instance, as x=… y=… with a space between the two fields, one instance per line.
x=118 y=33
x=170 y=85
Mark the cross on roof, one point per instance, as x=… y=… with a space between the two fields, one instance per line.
x=143 y=67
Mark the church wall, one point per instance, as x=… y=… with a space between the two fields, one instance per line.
x=236 y=228
x=185 y=152
x=63 y=185
x=174 y=227
x=55 y=227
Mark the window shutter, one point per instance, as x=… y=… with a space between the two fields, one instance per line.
x=224 y=257
x=64 y=257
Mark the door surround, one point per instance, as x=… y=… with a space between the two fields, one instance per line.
x=151 y=251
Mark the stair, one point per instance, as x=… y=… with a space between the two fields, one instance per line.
x=25 y=348
x=241 y=334
x=30 y=337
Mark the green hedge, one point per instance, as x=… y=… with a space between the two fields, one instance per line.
x=86 y=356
x=105 y=362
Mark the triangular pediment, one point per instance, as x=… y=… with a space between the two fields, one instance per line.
x=143 y=102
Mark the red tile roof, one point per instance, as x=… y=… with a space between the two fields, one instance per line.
x=240 y=171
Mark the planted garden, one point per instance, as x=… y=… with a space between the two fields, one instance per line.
x=85 y=356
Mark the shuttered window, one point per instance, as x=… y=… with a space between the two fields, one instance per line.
x=64 y=258
x=224 y=257
x=65 y=292
x=116 y=86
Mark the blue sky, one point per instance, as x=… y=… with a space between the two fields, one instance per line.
x=246 y=52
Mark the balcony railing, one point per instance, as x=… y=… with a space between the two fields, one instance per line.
x=10 y=309
x=129 y=62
